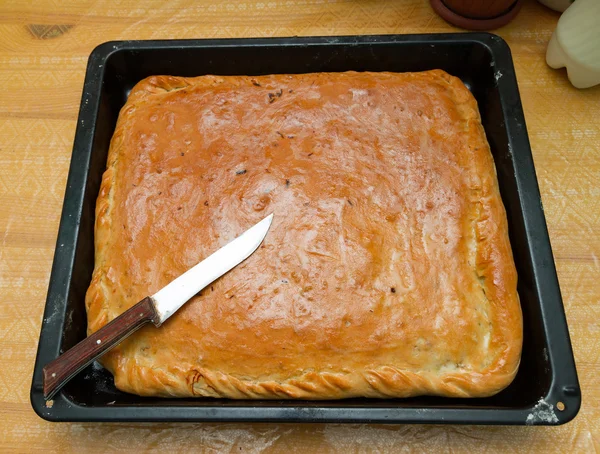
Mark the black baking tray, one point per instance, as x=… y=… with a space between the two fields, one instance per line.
x=483 y=61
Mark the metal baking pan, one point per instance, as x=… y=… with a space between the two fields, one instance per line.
x=547 y=373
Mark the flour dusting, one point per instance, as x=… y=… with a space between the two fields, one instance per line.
x=543 y=412
x=55 y=312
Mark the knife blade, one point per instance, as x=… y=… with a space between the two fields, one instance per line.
x=156 y=308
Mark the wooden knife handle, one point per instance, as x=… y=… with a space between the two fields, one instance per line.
x=59 y=371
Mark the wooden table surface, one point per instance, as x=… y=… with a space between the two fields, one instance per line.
x=44 y=46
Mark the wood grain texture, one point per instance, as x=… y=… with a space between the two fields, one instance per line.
x=40 y=89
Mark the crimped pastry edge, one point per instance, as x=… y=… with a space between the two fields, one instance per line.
x=494 y=262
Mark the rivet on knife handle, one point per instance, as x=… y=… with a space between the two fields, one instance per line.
x=58 y=372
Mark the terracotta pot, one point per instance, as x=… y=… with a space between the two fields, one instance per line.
x=478 y=9
x=477 y=14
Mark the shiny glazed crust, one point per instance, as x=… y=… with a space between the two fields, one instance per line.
x=387 y=271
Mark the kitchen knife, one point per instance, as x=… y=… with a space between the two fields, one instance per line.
x=156 y=308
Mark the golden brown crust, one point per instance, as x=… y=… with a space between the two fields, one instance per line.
x=387 y=271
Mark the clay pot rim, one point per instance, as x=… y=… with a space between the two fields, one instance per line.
x=476 y=24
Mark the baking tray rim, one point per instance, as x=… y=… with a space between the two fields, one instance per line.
x=564 y=385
